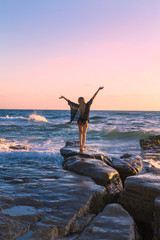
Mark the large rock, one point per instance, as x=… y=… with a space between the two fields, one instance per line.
x=153 y=143
x=113 y=223
x=157 y=219
x=49 y=201
x=127 y=165
x=139 y=194
x=100 y=172
x=72 y=149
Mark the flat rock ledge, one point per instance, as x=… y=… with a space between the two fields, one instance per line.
x=92 y=165
x=72 y=149
x=113 y=223
x=127 y=165
x=139 y=194
x=46 y=207
x=100 y=172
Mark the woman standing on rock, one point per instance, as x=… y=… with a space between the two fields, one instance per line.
x=83 y=119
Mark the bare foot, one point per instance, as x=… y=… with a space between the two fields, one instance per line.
x=81 y=150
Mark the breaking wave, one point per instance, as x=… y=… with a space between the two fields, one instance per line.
x=37 y=118
x=117 y=134
x=127 y=134
x=32 y=117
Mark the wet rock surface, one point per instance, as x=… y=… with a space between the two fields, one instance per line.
x=99 y=171
x=72 y=149
x=140 y=191
x=10 y=228
x=19 y=147
x=113 y=223
x=44 y=204
x=153 y=143
x=127 y=165
x=88 y=164
x=139 y=194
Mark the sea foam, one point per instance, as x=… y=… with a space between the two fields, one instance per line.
x=7 y=117
x=37 y=118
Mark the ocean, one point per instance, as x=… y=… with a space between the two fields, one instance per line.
x=44 y=132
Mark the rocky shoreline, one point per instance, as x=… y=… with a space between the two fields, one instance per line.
x=92 y=197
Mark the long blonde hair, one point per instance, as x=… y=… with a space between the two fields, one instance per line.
x=82 y=105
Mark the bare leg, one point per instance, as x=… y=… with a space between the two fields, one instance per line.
x=85 y=126
x=80 y=135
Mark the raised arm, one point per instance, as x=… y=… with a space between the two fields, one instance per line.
x=70 y=103
x=100 y=88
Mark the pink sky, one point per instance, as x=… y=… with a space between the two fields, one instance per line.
x=53 y=48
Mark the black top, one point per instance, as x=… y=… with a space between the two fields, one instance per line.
x=74 y=109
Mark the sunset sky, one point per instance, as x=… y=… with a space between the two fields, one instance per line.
x=71 y=47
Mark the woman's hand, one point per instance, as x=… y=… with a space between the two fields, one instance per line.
x=101 y=88
x=61 y=97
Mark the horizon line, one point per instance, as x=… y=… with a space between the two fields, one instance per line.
x=39 y=109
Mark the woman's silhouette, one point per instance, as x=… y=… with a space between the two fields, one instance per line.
x=84 y=109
